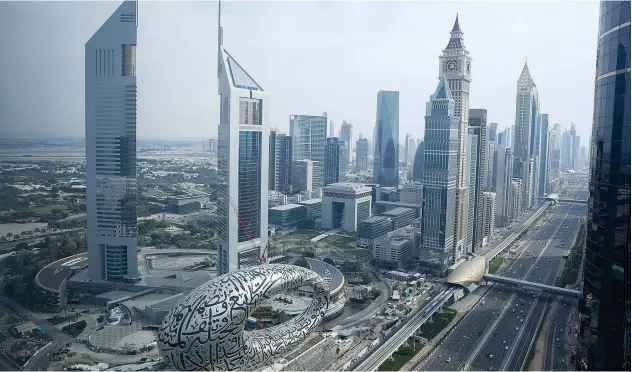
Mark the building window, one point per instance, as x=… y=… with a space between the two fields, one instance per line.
x=129 y=60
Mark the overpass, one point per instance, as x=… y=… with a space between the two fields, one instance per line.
x=510 y=239
x=386 y=349
x=544 y=287
x=576 y=201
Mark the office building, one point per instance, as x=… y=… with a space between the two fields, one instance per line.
x=409 y=150
x=287 y=216
x=489 y=215
x=385 y=161
x=400 y=216
x=345 y=205
x=309 y=136
x=335 y=160
x=346 y=135
x=567 y=150
x=362 y=154
x=471 y=173
x=439 y=181
x=212 y=147
x=418 y=163
x=544 y=156
x=536 y=128
x=242 y=164
x=272 y=159
x=305 y=176
x=110 y=123
x=314 y=207
x=393 y=249
x=604 y=328
x=555 y=158
x=503 y=184
x=412 y=193
x=515 y=208
x=527 y=108
x=283 y=164
x=455 y=64
x=373 y=228
x=477 y=123
x=583 y=156
x=491 y=132
x=574 y=147
x=331 y=129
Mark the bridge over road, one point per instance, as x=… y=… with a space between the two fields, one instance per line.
x=544 y=287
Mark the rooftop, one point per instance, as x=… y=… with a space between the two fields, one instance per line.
x=348 y=186
x=53 y=275
x=286 y=207
x=396 y=211
x=311 y=201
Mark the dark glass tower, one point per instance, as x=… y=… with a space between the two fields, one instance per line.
x=604 y=330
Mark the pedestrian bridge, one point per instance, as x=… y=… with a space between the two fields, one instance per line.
x=576 y=201
x=544 y=287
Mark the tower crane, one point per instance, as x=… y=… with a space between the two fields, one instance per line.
x=262 y=258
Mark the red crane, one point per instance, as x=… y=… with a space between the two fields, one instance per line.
x=262 y=259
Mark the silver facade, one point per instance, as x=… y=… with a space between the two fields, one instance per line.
x=110 y=109
x=386 y=157
x=309 y=136
x=439 y=179
x=477 y=122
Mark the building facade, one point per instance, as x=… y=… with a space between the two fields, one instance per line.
x=110 y=124
x=305 y=175
x=517 y=192
x=526 y=100
x=345 y=205
x=309 y=136
x=478 y=125
x=362 y=154
x=455 y=64
x=385 y=160
x=243 y=151
x=604 y=329
x=503 y=184
x=418 y=163
x=489 y=215
x=346 y=135
x=412 y=193
x=409 y=150
x=491 y=132
x=283 y=163
x=439 y=181
x=471 y=172
x=336 y=162
x=544 y=156
x=555 y=157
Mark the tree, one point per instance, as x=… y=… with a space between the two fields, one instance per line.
x=9 y=235
x=21 y=246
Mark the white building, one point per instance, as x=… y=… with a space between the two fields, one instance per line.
x=393 y=248
x=110 y=109
x=345 y=205
x=517 y=191
x=489 y=214
x=455 y=64
x=243 y=161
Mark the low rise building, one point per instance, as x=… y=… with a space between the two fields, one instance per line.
x=373 y=228
x=400 y=216
x=345 y=205
x=287 y=216
x=411 y=193
x=314 y=207
x=393 y=248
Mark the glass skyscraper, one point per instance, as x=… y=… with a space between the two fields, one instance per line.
x=386 y=158
x=309 y=135
x=439 y=179
x=335 y=160
x=110 y=109
x=544 y=155
x=604 y=330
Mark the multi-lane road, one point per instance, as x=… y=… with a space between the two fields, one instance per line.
x=498 y=332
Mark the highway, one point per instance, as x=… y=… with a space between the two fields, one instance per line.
x=490 y=326
x=556 y=346
x=384 y=351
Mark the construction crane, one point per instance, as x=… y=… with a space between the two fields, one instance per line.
x=262 y=259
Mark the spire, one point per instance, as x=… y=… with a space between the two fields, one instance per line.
x=525 y=70
x=220 y=39
x=456 y=27
x=442 y=91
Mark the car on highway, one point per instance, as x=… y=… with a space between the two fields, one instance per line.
x=440 y=355
x=448 y=360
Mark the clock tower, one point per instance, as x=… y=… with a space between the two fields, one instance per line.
x=456 y=65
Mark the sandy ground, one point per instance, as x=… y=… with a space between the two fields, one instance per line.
x=17 y=228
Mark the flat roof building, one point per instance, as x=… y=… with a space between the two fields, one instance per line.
x=345 y=205
x=400 y=216
x=287 y=216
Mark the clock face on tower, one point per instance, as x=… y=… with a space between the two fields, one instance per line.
x=451 y=65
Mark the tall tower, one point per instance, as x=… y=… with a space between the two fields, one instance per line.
x=478 y=124
x=242 y=163
x=604 y=306
x=335 y=160
x=386 y=159
x=110 y=109
x=526 y=97
x=346 y=134
x=439 y=179
x=544 y=155
x=456 y=65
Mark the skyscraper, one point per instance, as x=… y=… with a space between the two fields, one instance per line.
x=478 y=125
x=335 y=160
x=456 y=65
x=555 y=166
x=243 y=145
x=489 y=214
x=544 y=156
x=418 y=163
x=331 y=128
x=346 y=134
x=272 y=159
x=604 y=329
x=409 y=151
x=566 y=150
x=308 y=138
x=362 y=154
x=526 y=116
x=472 y=165
x=385 y=162
x=440 y=175
x=503 y=184
x=574 y=147
x=110 y=109
x=491 y=133
x=283 y=162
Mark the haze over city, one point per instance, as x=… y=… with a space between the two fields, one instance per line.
x=313 y=57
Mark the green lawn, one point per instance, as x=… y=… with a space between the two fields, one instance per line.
x=400 y=357
x=494 y=264
x=429 y=331
x=47 y=209
x=298 y=235
x=341 y=242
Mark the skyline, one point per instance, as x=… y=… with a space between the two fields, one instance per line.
x=188 y=95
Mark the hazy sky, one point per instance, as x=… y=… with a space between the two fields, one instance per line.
x=311 y=57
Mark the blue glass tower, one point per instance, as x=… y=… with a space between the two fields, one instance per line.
x=385 y=163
